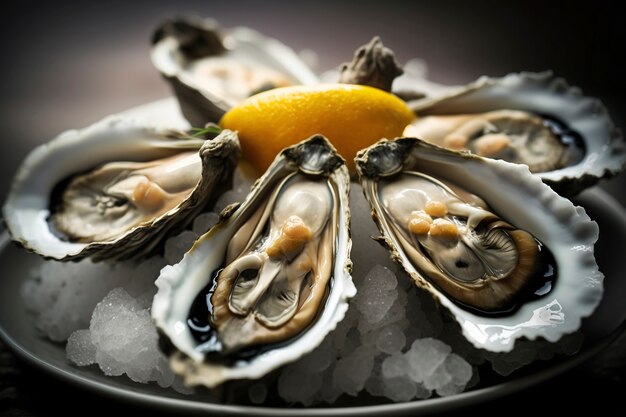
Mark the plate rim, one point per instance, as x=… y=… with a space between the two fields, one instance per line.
x=432 y=405
x=168 y=107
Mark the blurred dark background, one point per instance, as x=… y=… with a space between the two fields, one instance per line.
x=68 y=64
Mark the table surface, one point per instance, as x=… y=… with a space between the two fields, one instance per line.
x=68 y=65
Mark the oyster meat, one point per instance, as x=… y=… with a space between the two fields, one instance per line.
x=468 y=251
x=211 y=71
x=118 y=196
x=505 y=254
x=515 y=136
x=114 y=189
x=270 y=280
x=535 y=119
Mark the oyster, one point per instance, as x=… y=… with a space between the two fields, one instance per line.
x=211 y=71
x=506 y=255
x=535 y=119
x=269 y=281
x=114 y=189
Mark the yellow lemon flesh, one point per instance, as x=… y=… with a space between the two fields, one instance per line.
x=352 y=117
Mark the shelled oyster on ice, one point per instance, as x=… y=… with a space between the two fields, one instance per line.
x=267 y=283
x=211 y=70
x=535 y=119
x=501 y=251
x=115 y=189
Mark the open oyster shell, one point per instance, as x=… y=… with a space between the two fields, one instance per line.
x=269 y=281
x=506 y=255
x=114 y=189
x=565 y=138
x=211 y=70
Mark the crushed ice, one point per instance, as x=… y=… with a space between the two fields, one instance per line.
x=393 y=342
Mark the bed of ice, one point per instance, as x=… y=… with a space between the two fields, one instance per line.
x=393 y=343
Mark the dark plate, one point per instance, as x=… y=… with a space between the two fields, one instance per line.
x=19 y=333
